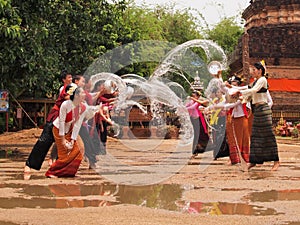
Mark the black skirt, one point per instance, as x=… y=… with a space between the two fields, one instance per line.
x=263 y=146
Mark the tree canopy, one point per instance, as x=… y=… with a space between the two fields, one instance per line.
x=41 y=38
x=226 y=33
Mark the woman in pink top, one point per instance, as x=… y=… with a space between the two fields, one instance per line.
x=199 y=125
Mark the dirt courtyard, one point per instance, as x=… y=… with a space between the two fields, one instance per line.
x=214 y=194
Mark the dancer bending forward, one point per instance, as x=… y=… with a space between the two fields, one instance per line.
x=65 y=132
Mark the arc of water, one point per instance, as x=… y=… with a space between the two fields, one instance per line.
x=206 y=45
x=108 y=76
x=131 y=76
x=122 y=101
x=176 y=85
x=159 y=93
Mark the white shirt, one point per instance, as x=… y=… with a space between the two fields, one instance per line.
x=257 y=97
x=64 y=127
x=238 y=110
x=270 y=100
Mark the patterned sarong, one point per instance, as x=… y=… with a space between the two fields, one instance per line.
x=68 y=162
x=238 y=138
x=263 y=145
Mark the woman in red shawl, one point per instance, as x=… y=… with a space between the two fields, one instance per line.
x=65 y=131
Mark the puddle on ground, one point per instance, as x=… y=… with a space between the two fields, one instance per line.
x=83 y=195
x=234 y=189
x=15 y=154
x=271 y=196
x=160 y=196
x=225 y=208
x=7 y=223
x=292 y=223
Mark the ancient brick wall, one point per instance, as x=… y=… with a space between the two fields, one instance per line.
x=263 y=12
x=275 y=42
x=272 y=33
x=289 y=72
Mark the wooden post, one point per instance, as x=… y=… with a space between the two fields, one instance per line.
x=4 y=106
x=19 y=117
x=7 y=119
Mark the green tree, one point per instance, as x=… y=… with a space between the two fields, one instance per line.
x=162 y=23
x=226 y=33
x=40 y=38
x=178 y=26
x=9 y=20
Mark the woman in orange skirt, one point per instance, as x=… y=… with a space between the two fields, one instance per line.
x=65 y=132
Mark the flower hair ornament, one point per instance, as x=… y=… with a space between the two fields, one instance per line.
x=231 y=79
x=234 y=78
x=263 y=63
x=72 y=88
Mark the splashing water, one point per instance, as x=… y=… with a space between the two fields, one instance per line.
x=174 y=64
x=163 y=90
x=212 y=51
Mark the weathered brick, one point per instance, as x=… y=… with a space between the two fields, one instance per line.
x=272 y=33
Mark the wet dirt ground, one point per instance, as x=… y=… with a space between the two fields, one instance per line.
x=216 y=194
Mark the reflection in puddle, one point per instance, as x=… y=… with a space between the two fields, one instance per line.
x=163 y=196
x=271 y=196
x=225 y=208
x=72 y=195
x=15 y=154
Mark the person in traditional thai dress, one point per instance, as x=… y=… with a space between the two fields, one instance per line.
x=109 y=93
x=45 y=141
x=65 y=131
x=263 y=145
x=217 y=123
x=91 y=143
x=199 y=124
x=237 y=131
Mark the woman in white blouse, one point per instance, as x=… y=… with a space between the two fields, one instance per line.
x=263 y=146
x=65 y=131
